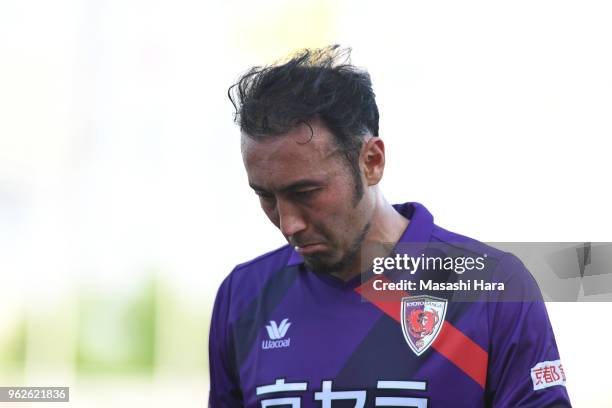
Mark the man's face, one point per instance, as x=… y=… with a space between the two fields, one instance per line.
x=306 y=188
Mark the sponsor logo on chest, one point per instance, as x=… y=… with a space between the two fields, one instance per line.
x=276 y=335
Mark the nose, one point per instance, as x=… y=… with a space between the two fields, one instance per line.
x=290 y=219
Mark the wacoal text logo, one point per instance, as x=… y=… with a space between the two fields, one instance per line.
x=276 y=333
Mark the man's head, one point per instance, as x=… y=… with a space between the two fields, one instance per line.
x=310 y=149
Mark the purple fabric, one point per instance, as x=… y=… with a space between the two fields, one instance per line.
x=305 y=338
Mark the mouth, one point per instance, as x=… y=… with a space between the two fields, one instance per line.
x=309 y=249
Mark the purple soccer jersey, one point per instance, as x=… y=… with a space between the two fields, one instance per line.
x=284 y=336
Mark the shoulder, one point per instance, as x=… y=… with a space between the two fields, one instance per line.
x=249 y=279
x=461 y=243
x=504 y=266
x=264 y=265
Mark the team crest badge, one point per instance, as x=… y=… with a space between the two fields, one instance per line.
x=422 y=320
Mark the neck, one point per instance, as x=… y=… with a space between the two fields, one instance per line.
x=386 y=227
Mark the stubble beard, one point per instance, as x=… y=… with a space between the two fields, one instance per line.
x=316 y=264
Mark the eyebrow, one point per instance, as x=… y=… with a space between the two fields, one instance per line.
x=292 y=186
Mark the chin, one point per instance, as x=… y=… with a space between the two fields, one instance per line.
x=323 y=265
x=318 y=264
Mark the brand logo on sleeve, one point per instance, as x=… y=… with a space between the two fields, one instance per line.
x=422 y=319
x=276 y=335
x=547 y=374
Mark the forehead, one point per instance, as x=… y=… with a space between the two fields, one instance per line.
x=298 y=154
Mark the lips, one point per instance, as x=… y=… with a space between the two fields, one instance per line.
x=309 y=248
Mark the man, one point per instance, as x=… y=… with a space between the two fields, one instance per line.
x=306 y=324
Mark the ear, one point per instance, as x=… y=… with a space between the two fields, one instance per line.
x=373 y=160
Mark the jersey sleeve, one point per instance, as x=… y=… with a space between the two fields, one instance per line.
x=525 y=369
x=224 y=380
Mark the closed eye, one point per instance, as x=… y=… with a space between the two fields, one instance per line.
x=263 y=195
x=305 y=194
